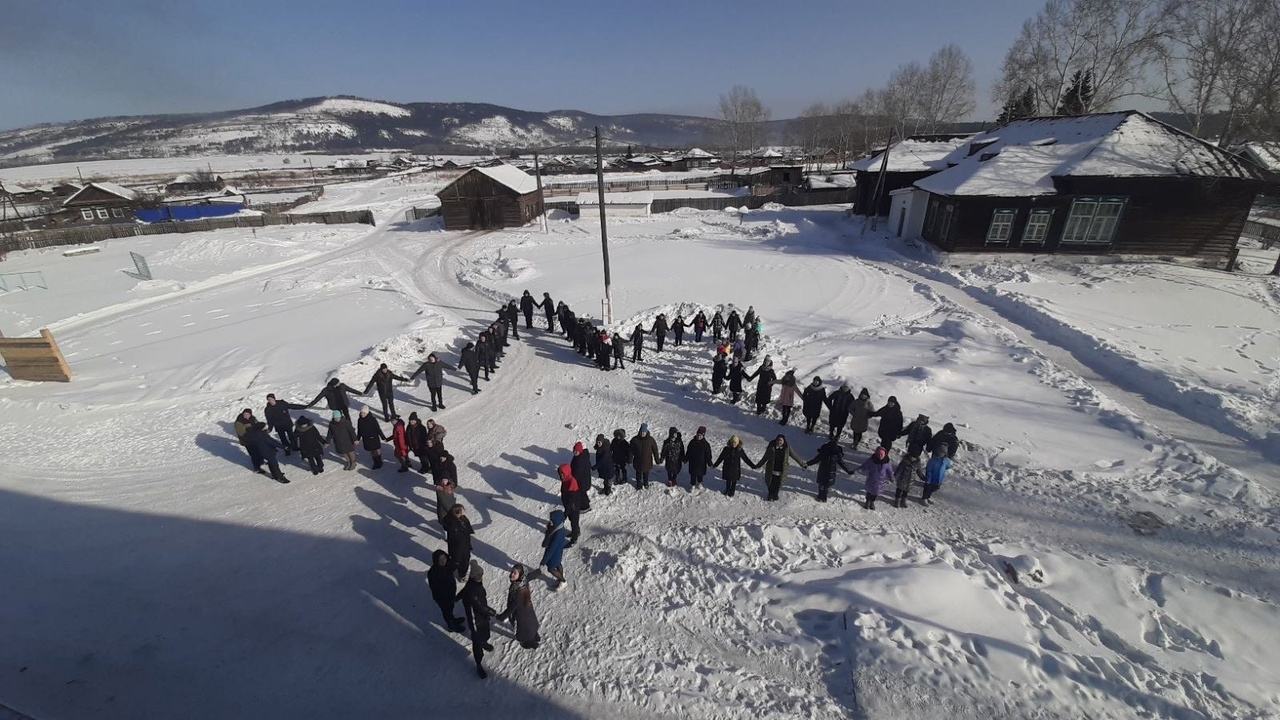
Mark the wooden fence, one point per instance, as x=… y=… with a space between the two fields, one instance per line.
x=35 y=358
x=1266 y=233
x=98 y=233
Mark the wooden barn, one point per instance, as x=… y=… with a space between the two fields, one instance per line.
x=911 y=159
x=488 y=198
x=1117 y=183
x=101 y=202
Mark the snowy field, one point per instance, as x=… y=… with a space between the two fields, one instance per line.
x=1117 y=457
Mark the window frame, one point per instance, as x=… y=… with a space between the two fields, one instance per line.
x=1035 y=214
x=117 y=212
x=103 y=214
x=1081 y=229
x=948 y=220
x=86 y=213
x=998 y=218
x=930 y=214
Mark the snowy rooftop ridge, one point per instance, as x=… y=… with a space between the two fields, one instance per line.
x=914 y=154
x=110 y=187
x=1021 y=158
x=1265 y=154
x=512 y=177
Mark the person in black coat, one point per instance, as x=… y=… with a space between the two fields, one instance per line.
x=604 y=464
x=486 y=352
x=527 y=304
x=945 y=442
x=717 y=326
x=637 y=343
x=277 y=416
x=548 y=309
x=580 y=465
x=719 y=369
x=513 y=319
x=335 y=395
x=604 y=351
x=838 y=405
x=371 y=436
x=918 y=435
x=415 y=437
x=259 y=442
x=812 y=400
x=765 y=377
x=381 y=379
x=673 y=455
x=829 y=456
x=737 y=373
x=444 y=467
x=677 y=329
x=457 y=533
x=698 y=456
x=471 y=361
x=659 y=330
x=890 y=422
x=620 y=454
x=732 y=457
x=475 y=602
x=310 y=444
x=619 y=349
x=433 y=371
x=562 y=315
x=699 y=325
x=444 y=590
x=734 y=324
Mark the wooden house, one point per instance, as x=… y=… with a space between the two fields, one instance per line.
x=191 y=185
x=101 y=202
x=911 y=159
x=488 y=198
x=1111 y=183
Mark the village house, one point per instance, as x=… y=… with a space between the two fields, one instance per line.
x=1110 y=183
x=910 y=159
x=488 y=198
x=101 y=202
x=191 y=185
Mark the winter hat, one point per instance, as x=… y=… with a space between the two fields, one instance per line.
x=949 y=427
x=672 y=432
x=881 y=454
x=364 y=412
x=477 y=572
x=413 y=416
x=337 y=414
x=702 y=430
x=893 y=400
x=383 y=366
x=620 y=433
x=432 y=356
x=922 y=418
x=578 y=448
x=864 y=394
x=817 y=380
x=644 y=427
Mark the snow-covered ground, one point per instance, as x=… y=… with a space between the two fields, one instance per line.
x=1116 y=459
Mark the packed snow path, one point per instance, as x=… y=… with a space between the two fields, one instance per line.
x=153 y=575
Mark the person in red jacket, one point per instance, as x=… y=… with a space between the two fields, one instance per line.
x=400 y=442
x=570 y=495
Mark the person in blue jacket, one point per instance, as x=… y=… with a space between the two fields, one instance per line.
x=934 y=473
x=555 y=539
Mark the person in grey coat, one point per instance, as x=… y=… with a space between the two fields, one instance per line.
x=520 y=609
x=433 y=371
x=860 y=414
x=776 y=462
x=343 y=438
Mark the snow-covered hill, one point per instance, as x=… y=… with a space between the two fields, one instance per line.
x=336 y=124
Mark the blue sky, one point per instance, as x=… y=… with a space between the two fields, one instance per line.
x=65 y=60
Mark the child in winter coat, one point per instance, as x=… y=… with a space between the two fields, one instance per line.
x=934 y=473
x=555 y=540
x=879 y=471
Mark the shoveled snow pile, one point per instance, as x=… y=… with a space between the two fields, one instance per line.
x=1104 y=547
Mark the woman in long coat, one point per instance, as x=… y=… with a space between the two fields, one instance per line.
x=733 y=457
x=765 y=377
x=343 y=437
x=520 y=609
x=787 y=395
x=673 y=455
x=879 y=471
x=776 y=462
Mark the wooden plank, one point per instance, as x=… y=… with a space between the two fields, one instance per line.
x=12 y=354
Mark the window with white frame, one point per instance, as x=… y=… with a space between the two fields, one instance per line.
x=929 y=215
x=102 y=213
x=1093 y=220
x=117 y=213
x=948 y=212
x=1001 y=228
x=87 y=213
x=1037 y=228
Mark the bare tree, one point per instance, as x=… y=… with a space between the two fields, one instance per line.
x=1255 y=101
x=743 y=117
x=1200 y=55
x=1114 y=40
x=947 y=95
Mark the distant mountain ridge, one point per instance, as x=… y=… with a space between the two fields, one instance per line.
x=341 y=124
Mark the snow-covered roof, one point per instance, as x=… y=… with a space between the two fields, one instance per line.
x=184 y=178
x=914 y=154
x=1264 y=154
x=512 y=177
x=616 y=198
x=696 y=153
x=110 y=187
x=1022 y=158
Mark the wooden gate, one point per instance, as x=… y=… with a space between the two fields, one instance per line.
x=34 y=358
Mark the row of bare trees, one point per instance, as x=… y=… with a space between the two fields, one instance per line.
x=1200 y=57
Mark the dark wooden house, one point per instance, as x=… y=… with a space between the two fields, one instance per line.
x=191 y=184
x=914 y=158
x=489 y=198
x=101 y=202
x=1112 y=183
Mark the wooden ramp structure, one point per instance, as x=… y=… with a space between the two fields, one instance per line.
x=36 y=358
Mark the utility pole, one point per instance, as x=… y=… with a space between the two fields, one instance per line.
x=604 y=229
x=537 y=174
x=880 y=181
